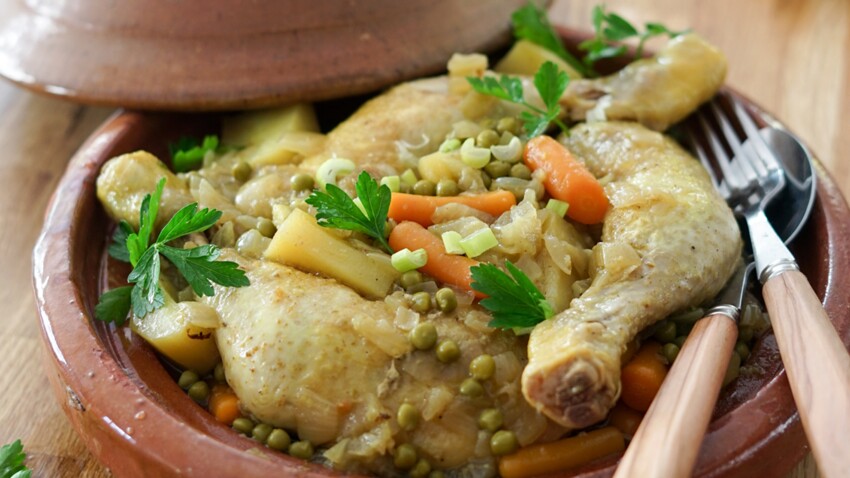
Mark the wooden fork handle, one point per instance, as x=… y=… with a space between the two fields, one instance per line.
x=670 y=434
x=818 y=368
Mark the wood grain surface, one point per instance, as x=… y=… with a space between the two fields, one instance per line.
x=790 y=56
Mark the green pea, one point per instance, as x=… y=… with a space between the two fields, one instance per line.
x=680 y=340
x=423 y=336
x=243 y=425
x=421 y=302
x=446 y=299
x=745 y=333
x=487 y=138
x=471 y=388
x=509 y=124
x=423 y=187
x=482 y=367
x=218 y=373
x=261 y=432
x=486 y=179
x=241 y=171
x=302 y=182
x=490 y=419
x=405 y=457
x=278 y=440
x=436 y=474
x=301 y=449
x=421 y=469
x=187 y=379
x=199 y=391
x=742 y=350
x=503 y=442
x=670 y=352
x=733 y=370
x=447 y=351
x=666 y=332
x=405 y=188
x=498 y=169
x=266 y=227
x=521 y=171
x=447 y=187
x=407 y=416
x=410 y=279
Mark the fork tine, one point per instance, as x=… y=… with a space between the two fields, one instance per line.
x=703 y=157
x=732 y=178
x=763 y=151
x=745 y=168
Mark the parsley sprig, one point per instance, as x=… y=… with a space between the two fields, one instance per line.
x=611 y=29
x=550 y=83
x=12 y=458
x=198 y=265
x=531 y=23
x=513 y=300
x=335 y=208
x=188 y=153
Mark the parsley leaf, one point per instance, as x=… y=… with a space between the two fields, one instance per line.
x=200 y=268
x=188 y=154
x=118 y=248
x=12 y=458
x=531 y=23
x=335 y=208
x=550 y=83
x=198 y=265
x=611 y=28
x=513 y=299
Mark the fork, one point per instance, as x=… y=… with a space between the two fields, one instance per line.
x=816 y=361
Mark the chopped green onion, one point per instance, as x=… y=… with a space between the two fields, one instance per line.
x=474 y=156
x=409 y=177
x=392 y=182
x=451 y=241
x=407 y=260
x=332 y=169
x=450 y=145
x=510 y=152
x=559 y=207
x=479 y=242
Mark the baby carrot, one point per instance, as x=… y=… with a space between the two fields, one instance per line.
x=416 y=208
x=567 y=179
x=446 y=268
x=625 y=419
x=562 y=454
x=642 y=377
x=224 y=404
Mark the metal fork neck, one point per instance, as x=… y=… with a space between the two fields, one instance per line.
x=771 y=256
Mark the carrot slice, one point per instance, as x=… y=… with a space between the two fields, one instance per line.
x=446 y=268
x=224 y=404
x=642 y=377
x=625 y=419
x=567 y=179
x=419 y=209
x=562 y=454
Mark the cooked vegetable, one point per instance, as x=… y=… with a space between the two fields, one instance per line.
x=224 y=404
x=407 y=416
x=445 y=267
x=446 y=299
x=525 y=58
x=550 y=84
x=336 y=209
x=199 y=391
x=513 y=300
x=562 y=454
x=407 y=260
x=482 y=367
x=447 y=351
x=642 y=377
x=503 y=442
x=567 y=179
x=187 y=379
x=471 y=388
x=188 y=153
x=479 y=242
x=258 y=127
x=424 y=335
x=531 y=23
x=301 y=449
x=301 y=242
x=12 y=458
x=559 y=207
x=490 y=419
x=278 y=440
x=302 y=182
x=420 y=209
x=198 y=265
x=261 y=432
x=405 y=456
x=243 y=425
x=625 y=419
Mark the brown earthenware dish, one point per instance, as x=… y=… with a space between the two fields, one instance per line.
x=137 y=421
x=226 y=54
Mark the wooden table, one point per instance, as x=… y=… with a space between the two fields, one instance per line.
x=788 y=55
